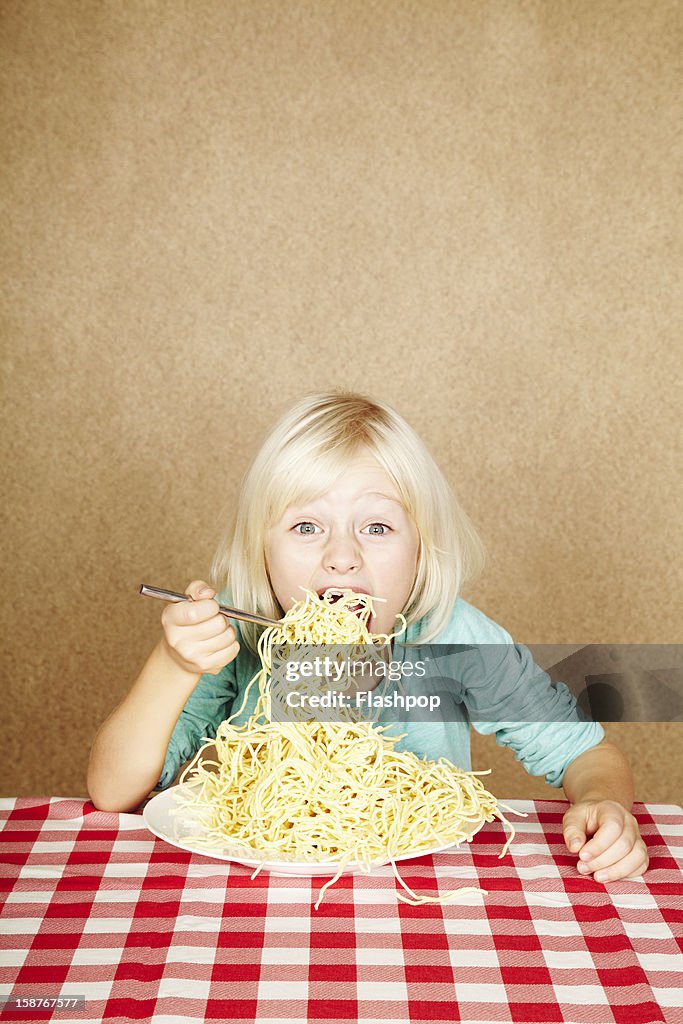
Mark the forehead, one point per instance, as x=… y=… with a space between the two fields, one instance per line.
x=362 y=477
x=364 y=471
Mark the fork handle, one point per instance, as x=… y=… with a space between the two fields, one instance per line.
x=224 y=609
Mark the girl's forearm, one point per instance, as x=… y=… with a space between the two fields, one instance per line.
x=601 y=773
x=128 y=752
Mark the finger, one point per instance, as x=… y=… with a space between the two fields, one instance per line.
x=216 y=662
x=221 y=642
x=187 y=613
x=628 y=838
x=574 y=840
x=216 y=626
x=608 y=832
x=199 y=589
x=209 y=656
x=621 y=848
x=201 y=650
x=631 y=866
x=573 y=829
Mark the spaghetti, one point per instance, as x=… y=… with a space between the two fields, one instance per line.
x=328 y=792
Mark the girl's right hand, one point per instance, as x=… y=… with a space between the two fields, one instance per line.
x=196 y=635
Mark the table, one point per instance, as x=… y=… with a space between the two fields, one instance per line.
x=96 y=907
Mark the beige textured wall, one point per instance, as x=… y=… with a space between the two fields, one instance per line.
x=467 y=209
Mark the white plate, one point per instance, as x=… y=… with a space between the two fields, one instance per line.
x=159 y=820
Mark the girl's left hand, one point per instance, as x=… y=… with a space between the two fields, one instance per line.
x=616 y=849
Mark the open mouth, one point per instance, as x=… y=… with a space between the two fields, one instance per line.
x=336 y=593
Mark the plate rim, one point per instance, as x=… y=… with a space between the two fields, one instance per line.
x=292 y=868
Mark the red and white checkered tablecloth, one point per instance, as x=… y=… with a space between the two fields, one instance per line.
x=97 y=907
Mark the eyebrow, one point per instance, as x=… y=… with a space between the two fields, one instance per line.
x=379 y=494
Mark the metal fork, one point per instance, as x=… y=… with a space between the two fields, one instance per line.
x=230 y=613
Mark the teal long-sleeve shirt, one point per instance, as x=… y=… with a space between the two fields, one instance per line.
x=552 y=737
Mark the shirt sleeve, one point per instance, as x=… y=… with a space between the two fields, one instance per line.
x=207 y=706
x=507 y=694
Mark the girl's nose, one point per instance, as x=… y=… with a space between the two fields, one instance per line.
x=342 y=555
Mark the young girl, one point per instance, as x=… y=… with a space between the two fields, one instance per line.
x=344 y=494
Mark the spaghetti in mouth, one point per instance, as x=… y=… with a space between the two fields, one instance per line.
x=333 y=595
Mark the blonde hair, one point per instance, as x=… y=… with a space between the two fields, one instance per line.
x=307 y=449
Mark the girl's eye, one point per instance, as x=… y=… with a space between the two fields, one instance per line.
x=305 y=533
x=384 y=528
x=306 y=529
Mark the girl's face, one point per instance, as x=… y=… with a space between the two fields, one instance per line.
x=358 y=536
